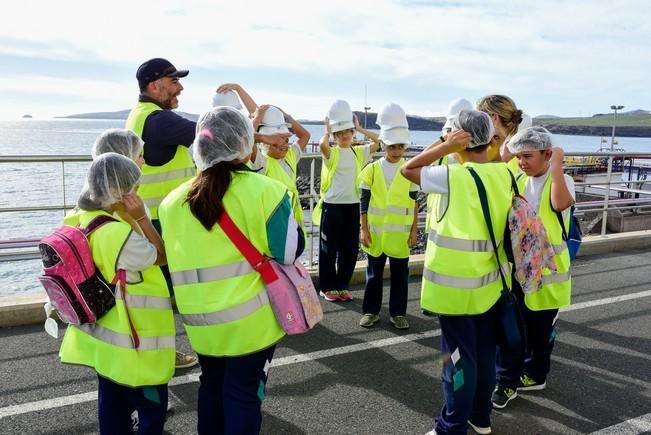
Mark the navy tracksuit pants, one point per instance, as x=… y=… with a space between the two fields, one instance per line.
x=540 y=329
x=399 y=285
x=116 y=402
x=468 y=345
x=231 y=390
x=338 y=246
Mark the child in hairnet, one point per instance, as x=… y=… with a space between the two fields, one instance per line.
x=551 y=193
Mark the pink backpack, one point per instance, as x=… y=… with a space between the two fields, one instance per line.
x=289 y=287
x=72 y=283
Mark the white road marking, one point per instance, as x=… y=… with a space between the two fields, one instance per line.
x=633 y=426
x=57 y=402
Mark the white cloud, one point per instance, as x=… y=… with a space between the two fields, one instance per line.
x=571 y=48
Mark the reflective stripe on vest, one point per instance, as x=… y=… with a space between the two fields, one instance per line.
x=463 y=282
x=209 y=274
x=555 y=278
x=228 y=315
x=558 y=249
x=125 y=340
x=167 y=176
x=392 y=209
x=146 y=302
x=389 y=227
x=461 y=244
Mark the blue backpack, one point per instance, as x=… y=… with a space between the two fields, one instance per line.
x=573 y=236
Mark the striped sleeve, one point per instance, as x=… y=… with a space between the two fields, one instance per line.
x=286 y=239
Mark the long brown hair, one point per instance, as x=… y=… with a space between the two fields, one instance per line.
x=207 y=192
x=504 y=108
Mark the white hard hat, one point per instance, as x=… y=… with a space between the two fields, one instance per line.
x=394 y=136
x=273 y=121
x=456 y=106
x=228 y=98
x=392 y=116
x=340 y=116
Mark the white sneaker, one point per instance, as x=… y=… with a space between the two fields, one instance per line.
x=480 y=430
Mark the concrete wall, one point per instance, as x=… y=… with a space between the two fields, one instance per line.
x=26 y=310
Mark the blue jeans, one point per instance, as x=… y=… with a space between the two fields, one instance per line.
x=115 y=403
x=468 y=347
x=231 y=391
x=399 y=285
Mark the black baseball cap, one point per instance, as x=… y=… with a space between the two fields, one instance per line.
x=155 y=68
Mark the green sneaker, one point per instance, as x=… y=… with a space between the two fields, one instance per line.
x=368 y=320
x=502 y=396
x=529 y=384
x=399 y=322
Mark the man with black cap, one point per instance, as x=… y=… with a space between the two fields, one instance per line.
x=167 y=137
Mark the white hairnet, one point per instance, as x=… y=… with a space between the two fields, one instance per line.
x=110 y=176
x=223 y=134
x=531 y=139
x=118 y=140
x=478 y=124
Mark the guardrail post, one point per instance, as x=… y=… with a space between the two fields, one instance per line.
x=310 y=257
x=604 y=217
x=63 y=182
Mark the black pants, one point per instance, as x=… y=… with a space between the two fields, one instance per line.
x=339 y=245
x=540 y=327
x=399 y=281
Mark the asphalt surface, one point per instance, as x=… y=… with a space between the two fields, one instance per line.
x=344 y=379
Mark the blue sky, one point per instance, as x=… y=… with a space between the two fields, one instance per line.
x=568 y=58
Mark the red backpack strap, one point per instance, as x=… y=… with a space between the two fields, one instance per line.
x=241 y=242
x=98 y=222
x=120 y=280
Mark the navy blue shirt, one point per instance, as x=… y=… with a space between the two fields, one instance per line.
x=164 y=130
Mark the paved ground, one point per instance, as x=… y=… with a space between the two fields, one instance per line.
x=343 y=379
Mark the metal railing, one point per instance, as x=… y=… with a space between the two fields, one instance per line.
x=18 y=249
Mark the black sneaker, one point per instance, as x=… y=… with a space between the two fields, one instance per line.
x=502 y=396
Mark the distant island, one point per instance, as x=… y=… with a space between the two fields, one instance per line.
x=27 y=116
x=636 y=123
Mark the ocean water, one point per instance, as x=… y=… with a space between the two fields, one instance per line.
x=40 y=184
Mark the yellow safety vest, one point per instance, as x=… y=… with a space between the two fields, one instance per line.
x=157 y=181
x=557 y=287
x=221 y=299
x=460 y=276
x=107 y=345
x=390 y=213
x=328 y=169
x=275 y=170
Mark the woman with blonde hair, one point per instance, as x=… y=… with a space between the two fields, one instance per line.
x=506 y=118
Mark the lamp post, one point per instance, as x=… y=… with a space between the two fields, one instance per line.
x=366 y=107
x=614 y=108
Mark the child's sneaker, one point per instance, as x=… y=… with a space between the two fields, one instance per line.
x=344 y=295
x=502 y=396
x=529 y=384
x=368 y=320
x=331 y=295
x=479 y=429
x=399 y=322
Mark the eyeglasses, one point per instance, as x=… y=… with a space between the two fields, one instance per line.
x=343 y=132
